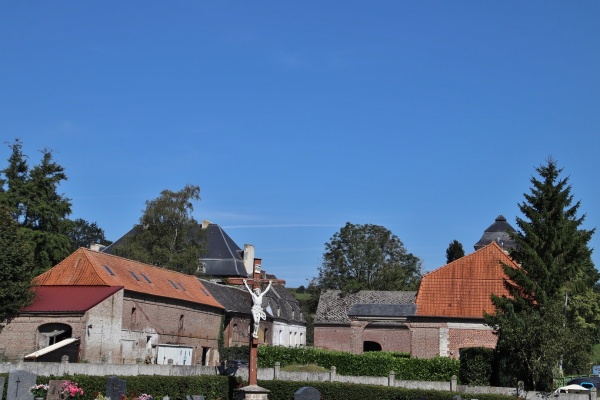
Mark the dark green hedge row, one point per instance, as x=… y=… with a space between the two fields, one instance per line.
x=284 y=390
x=476 y=366
x=176 y=387
x=367 y=364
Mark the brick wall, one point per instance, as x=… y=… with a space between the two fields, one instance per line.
x=148 y=321
x=391 y=338
x=21 y=337
x=425 y=340
x=469 y=335
x=334 y=337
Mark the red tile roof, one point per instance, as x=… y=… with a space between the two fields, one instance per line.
x=463 y=287
x=69 y=298
x=86 y=267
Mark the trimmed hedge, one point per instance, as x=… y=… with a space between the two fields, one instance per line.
x=476 y=366
x=367 y=364
x=285 y=390
x=176 y=387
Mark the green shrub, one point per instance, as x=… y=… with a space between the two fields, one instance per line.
x=476 y=366
x=367 y=364
x=176 y=387
x=285 y=390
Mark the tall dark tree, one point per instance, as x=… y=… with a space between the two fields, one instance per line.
x=368 y=257
x=15 y=268
x=168 y=235
x=454 y=251
x=31 y=197
x=555 y=258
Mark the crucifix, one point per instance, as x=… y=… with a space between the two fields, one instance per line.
x=253 y=285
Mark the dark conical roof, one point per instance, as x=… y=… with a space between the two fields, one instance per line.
x=498 y=232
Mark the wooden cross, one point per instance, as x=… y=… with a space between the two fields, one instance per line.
x=255 y=283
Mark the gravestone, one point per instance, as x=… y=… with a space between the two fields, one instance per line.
x=54 y=390
x=307 y=393
x=19 y=383
x=196 y=397
x=1 y=386
x=115 y=388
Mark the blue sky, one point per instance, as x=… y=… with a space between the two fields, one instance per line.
x=294 y=118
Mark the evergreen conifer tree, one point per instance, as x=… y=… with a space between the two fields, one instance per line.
x=555 y=266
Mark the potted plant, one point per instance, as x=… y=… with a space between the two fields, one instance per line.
x=39 y=391
x=70 y=390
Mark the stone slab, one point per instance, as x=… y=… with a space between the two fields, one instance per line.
x=307 y=393
x=19 y=383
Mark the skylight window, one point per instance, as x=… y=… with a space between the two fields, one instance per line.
x=134 y=275
x=204 y=291
x=174 y=285
x=108 y=270
x=181 y=286
x=146 y=278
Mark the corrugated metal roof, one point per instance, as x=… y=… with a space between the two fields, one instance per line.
x=86 y=267
x=462 y=289
x=62 y=298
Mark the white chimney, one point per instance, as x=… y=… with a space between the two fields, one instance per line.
x=249 y=258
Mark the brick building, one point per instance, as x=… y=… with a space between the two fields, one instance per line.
x=120 y=310
x=445 y=315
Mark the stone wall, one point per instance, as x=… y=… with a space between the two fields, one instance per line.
x=64 y=368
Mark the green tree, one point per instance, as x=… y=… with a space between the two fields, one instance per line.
x=539 y=329
x=168 y=235
x=15 y=268
x=30 y=196
x=454 y=251
x=367 y=257
x=83 y=233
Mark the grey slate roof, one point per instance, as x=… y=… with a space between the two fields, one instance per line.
x=498 y=232
x=233 y=298
x=334 y=309
x=279 y=303
x=382 y=310
x=223 y=256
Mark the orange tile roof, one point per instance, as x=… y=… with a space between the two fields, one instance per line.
x=87 y=267
x=463 y=287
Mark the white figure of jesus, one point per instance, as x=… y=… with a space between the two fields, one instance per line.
x=257 y=310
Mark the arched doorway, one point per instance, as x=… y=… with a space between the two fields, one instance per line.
x=371 y=346
x=53 y=333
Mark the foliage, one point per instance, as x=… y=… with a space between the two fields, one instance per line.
x=235 y=353
x=367 y=257
x=83 y=234
x=168 y=235
x=32 y=199
x=551 y=314
x=176 y=387
x=72 y=390
x=476 y=366
x=367 y=364
x=352 y=391
x=15 y=268
x=39 y=390
x=454 y=251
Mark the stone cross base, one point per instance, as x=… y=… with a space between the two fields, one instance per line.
x=252 y=392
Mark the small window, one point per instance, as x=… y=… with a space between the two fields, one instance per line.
x=181 y=286
x=134 y=275
x=204 y=291
x=174 y=285
x=146 y=278
x=108 y=270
